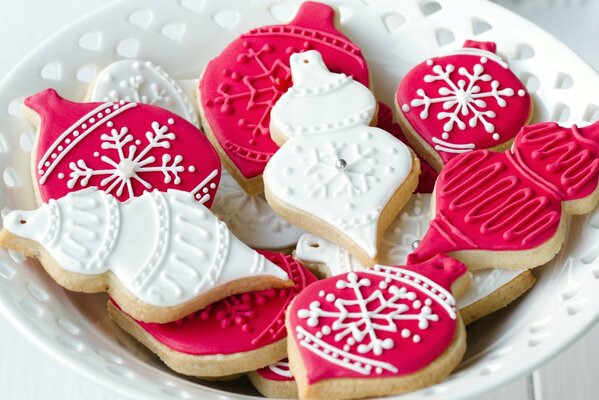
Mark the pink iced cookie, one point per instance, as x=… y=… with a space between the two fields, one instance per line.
x=275 y=381
x=239 y=87
x=509 y=209
x=123 y=148
x=238 y=334
x=428 y=176
x=377 y=332
x=461 y=102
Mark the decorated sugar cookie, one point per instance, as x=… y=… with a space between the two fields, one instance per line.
x=239 y=87
x=343 y=180
x=141 y=82
x=251 y=219
x=275 y=381
x=428 y=176
x=160 y=255
x=491 y=289
x=377 y=332
x=238 y=334
x=510 y=209
x=124 y=148
x=463 y=101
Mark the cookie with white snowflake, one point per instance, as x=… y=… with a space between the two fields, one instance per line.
x=162 y=255
x=275 y=381
x=122 y=147
x=460 y=102
x=238 y=334
x=141 y=82
x=239 y=87
x=342 y=179
x=251 y=219
x=377 y=332
x=491 y=289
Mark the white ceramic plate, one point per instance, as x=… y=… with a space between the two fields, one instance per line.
x=395 y=35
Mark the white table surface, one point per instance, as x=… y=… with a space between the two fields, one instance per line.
x=28 y=373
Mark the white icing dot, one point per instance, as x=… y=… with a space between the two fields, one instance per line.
x=60 y=148
x=84 y=126
x=383 y=285
x=122 y=102
x=198 y=196
x=330 y=297
x=100 y=115
x=171 y=121
x=416 y=339
x=351 y=341
x=496 y=136
x=405 y=108
x=326 y=330
x=67 y=140
x=60 y=175
x=96 y=154
x=321 y=293
x=429 y=62
x=318 y=335
x=53 y=155
x=213 y=185
x=191 y=168
x=346 y=348
x=116 y=107
x=107 y=111
x=75 y=133
x=445 y=135
x=41 y=172
x=47 y=164
x=109 y=124
x=405 y=333
x=205 y=190
x=138 y=142
x=379 y=370
x=92 y=120
x=484 y=59
x=521 y=92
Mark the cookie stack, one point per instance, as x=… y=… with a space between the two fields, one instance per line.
x=317 y=262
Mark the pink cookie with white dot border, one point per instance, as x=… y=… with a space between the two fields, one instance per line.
x=275 y=381
x=377 y=332
x=462 y=101
x=123 y=148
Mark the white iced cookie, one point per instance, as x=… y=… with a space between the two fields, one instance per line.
x=142 y=82
x=336 y=176
x=251 y=219
x=490 y=290
x=161 y=256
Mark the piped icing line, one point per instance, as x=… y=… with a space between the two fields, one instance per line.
x=122 y=148
x=470 y=51
x=185 y=250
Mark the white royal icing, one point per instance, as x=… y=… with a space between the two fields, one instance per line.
x=250 y=218
x=165 y=248
x=407 y=228
x=345 y=174
x=320 y=101
x=142 y=82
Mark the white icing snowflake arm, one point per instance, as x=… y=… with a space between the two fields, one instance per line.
x=165 y=248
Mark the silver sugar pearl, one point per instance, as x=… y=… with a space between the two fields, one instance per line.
x=415 y=244
x=340 y=164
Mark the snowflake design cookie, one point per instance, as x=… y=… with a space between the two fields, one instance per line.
x=462 y=101
x=240 y=86
x=490 y=205
x=251 y=219
x=124 y=148
x=141 y=82
x=345 y=174
x=388 y=322
x=256 y=321
x=182 y=252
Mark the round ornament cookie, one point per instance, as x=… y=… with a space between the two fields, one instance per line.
x=141 y=82
x=491 y=289
x=275 y=381
x=238 y=334
x=239 y=87
x=251 y=219
x=460 y=102
x=510 y=209
x=124 y=148
x=377 y=332
x=162 y=255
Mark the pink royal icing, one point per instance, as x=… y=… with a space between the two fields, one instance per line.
x=238 y=323
x=428 y=176
x=240 y=86
x=278 y=371
x=123 y=148
x=464 y=101
x=384 y=322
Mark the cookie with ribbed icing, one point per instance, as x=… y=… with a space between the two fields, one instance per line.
x=377 y=332
x=238 y=334
x=122 y=147
x=239 y=87
x=511 y=209
x=162 y=255
x=462 y=101
x=491 y=289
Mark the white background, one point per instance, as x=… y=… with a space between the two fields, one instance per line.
x=28 y=373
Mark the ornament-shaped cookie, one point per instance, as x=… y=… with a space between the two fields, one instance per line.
x=463 y=101
x=161 y=255
x=239 y=87
x=124 y=148
x=491 y=289
x=235 y=335
x=342 y=179
x=377 y=332
x=510 y=209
